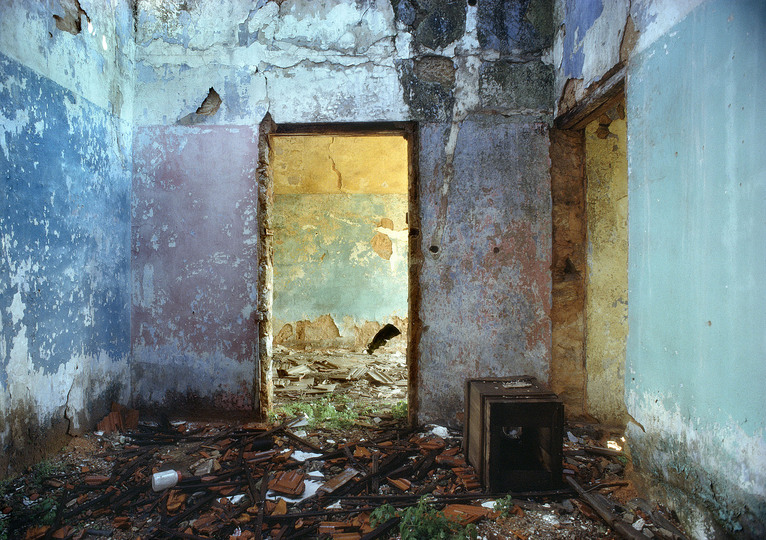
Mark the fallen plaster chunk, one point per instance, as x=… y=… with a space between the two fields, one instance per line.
x=439 y=431
x=234 y=499
x=303 y=421
x=301 y=456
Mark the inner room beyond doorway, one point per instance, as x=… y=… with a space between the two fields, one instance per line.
x=340 y=268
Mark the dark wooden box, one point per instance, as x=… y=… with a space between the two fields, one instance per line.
x=513 y=433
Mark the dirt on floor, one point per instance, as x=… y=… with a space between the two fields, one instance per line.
x=330 y=470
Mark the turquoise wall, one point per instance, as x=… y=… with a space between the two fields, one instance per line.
x=324 y=261
x=696 y=355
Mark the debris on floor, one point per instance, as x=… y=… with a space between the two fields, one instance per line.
x=289 y=479
x=371 y=379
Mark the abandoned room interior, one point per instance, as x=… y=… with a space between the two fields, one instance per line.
x=209 y=210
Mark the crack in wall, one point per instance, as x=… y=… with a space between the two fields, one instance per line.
x=448 y=170
x=67 y=414
x=334 y=167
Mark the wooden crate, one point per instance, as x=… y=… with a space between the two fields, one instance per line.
x=513 y=433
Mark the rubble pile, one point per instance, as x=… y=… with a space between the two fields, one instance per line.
x=278 y=481
x=378 y=378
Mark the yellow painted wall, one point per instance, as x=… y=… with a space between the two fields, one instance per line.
x=607 y=274
x=340 y=239
x=339 y=164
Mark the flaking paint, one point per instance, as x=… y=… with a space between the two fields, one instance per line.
x=590 y=34
x=194 y=257
x=348 y=61
x=340 y=235
x=65 y=157
x=486 y=295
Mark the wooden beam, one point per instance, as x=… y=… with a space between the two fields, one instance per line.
x=608 y=93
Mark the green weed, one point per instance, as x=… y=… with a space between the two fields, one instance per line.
x=423 y=521
x=45 y=469
x=47 y=511
x=399 y=410
x=5 y=486
x=504 y=505
x=330 y=413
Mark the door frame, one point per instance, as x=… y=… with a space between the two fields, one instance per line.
x=263 y=391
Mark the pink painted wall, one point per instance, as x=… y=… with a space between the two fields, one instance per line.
x=194 y=264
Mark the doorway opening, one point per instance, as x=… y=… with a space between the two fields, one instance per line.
x=338 y=217
x=589 y=181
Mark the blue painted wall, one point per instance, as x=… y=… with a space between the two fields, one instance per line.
x=64 y=265
x=696 y=369
x=580 y=16
x=65 y=209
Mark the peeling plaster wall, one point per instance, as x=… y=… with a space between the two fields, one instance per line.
x=340 y=237
x=65 y=160
x=194 y=255
x=487 y=292
x=606 y=307
x=95 y=64
x=695 y=361
x=478 y=80
x=592 y=36
x=485 y=204
x=697 y=349
x=325 y=263
x=302 y=61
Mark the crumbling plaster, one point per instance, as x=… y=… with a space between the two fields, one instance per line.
x=297 y=60
x=694 y=355
x=96 y=64
x=340 y=237
x=65 y=156
x=463 y=72
x=590 y=33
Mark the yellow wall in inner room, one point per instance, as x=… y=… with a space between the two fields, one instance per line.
x=607 y=275
x=339 y=164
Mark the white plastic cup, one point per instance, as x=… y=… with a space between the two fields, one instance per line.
x=165 y=479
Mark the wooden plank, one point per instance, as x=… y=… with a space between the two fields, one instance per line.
x=607 y=94
x=621 y=527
